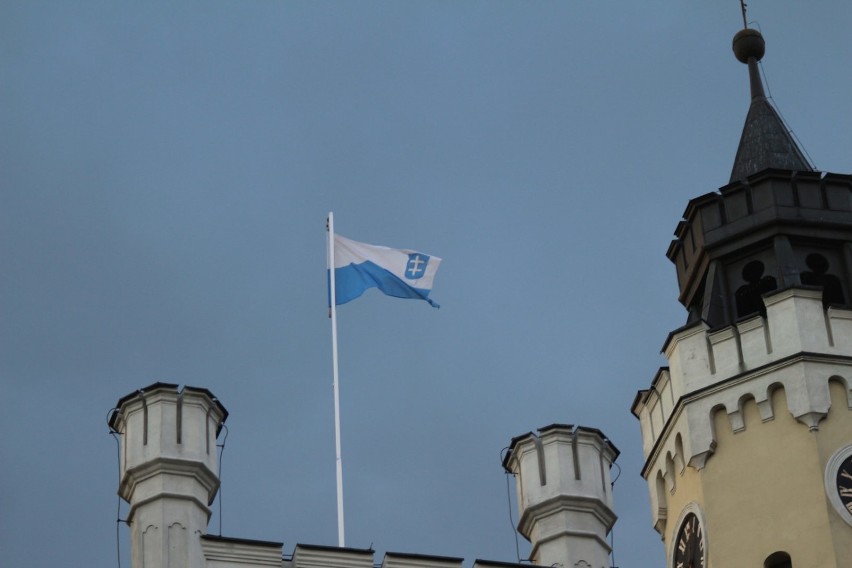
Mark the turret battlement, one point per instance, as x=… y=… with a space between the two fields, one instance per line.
x=167 y=429
x=752 y=214
x=796 y=323
x=701 y=361
x=799 y=347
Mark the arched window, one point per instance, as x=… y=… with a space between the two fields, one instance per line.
x=778 y=560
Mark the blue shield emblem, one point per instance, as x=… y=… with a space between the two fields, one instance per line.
x=416 y=267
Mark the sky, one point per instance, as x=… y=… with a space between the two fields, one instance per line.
x=166 y=169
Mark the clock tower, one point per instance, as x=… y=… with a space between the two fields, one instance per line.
x=747 y=433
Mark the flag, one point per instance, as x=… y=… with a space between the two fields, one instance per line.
x=398 y=273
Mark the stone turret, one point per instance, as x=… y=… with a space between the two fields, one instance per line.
x=564 y=494
x=168 y=471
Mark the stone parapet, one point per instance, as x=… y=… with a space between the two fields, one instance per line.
x=221 y=552
x=313 y=556
x=402 y=560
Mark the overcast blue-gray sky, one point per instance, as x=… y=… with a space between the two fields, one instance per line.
x=165 y=173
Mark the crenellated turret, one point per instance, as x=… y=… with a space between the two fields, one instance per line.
x=564 y=494
x=169 y=466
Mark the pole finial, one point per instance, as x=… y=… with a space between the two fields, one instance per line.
x=743 y=5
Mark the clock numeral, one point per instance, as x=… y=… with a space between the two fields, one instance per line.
x=845 y=491
x=846 y=474
x=849 y=506
x=682 y=546
x=679 y=565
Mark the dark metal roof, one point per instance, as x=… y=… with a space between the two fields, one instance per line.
x=765 y=142
x=415 y=556
x=498 y=564
x=329 y=548
x=253 y=542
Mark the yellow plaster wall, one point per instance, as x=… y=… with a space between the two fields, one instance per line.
x=836 y=432
x=761 y=492
x=688 y=489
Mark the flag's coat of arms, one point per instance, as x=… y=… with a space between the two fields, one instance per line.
x=416 y=268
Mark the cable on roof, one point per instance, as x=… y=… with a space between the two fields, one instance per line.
x=221 y=452
x=612 y=483
x=612 y=530
x=509 y=504
x=118 y=520
x=769 y=97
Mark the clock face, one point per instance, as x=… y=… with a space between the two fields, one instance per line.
x=689 y=545
x=844 y=483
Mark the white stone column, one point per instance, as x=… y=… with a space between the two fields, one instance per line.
x=168 y=471
x=564 y=494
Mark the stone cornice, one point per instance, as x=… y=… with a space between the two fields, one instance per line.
x=726 y=384
x=167 y=495
x=168 y=466
x=568 y=533
x=565 y=503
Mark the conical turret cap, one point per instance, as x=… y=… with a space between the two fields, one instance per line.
x=765 y=141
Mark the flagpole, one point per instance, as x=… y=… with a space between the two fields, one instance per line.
x=332 y=312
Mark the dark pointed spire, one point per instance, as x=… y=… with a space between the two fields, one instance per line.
x=765 y=141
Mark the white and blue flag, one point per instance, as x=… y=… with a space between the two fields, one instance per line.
x=398 y=273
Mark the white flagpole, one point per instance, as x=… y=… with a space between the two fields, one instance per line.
x=332 y=312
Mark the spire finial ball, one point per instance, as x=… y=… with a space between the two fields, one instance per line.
x=748 y=43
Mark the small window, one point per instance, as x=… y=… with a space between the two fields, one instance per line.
x=778 y=560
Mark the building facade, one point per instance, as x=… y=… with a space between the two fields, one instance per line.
x=747 y=433
x=169 y=476
x=748 y=430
